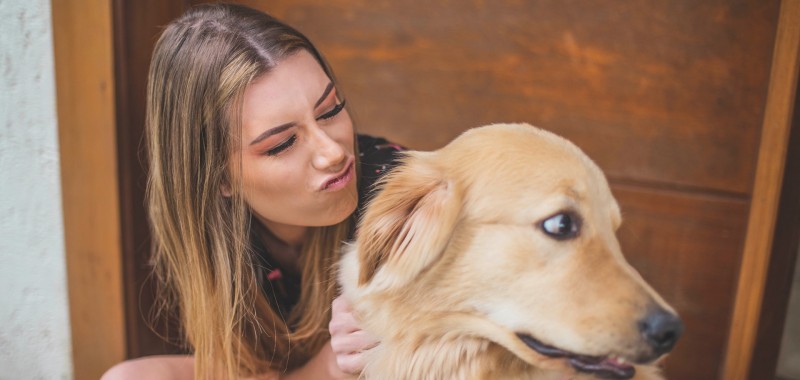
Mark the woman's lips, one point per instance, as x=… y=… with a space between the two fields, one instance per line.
x=339 y=181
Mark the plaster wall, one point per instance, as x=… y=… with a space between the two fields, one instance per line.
x=34 y=318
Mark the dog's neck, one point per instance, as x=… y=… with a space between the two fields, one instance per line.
x=413 y=357
x=458 y=359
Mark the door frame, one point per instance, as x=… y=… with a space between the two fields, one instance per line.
x=85 y=93
x=92 y=86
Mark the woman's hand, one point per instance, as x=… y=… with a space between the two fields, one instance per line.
x=347 y=339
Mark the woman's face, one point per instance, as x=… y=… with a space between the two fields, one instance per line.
x=298 y=164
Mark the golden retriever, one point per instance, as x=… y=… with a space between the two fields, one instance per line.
x=496 y=257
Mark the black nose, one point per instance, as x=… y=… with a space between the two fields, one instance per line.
x=661 y=329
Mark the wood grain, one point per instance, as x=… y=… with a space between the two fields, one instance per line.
x=85 y=101
x=668 y=92
x=687 y=247
x=766 y=193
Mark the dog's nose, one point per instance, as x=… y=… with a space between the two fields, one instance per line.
x=661 y=329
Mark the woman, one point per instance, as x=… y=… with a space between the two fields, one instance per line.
x=254 y=183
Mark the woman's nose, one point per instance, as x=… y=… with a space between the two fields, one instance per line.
x=327 y=152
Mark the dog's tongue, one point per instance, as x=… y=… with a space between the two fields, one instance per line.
x=603 y=367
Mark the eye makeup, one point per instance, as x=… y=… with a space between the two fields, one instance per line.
x=291 y=140
x=286 y=144
x=333 y=112
x=328 y=94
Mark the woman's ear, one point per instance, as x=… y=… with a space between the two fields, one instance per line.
x=407 y=225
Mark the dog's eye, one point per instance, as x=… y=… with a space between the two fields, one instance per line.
x=561 y=226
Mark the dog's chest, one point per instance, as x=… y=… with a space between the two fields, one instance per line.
x=459 y=359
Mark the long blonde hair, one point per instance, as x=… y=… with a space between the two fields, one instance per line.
x=203 y=257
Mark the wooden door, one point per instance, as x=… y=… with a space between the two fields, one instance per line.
x=671 y=98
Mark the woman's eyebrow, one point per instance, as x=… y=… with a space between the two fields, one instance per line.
x=272 y=131
x=324 y=94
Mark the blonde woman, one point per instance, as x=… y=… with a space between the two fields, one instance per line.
x=255 y=177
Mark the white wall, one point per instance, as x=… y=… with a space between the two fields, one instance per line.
x=34 y=319
x=789 y=359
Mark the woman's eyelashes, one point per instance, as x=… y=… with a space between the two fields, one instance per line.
x=282 y=146
x=333 y=112
x=286 y=144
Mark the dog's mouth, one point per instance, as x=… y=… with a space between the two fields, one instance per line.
x=609 y=367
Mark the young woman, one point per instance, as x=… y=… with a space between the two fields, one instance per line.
x=256 y=174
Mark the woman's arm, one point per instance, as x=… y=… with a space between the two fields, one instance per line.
x=321 y=366
x=342 y=357
x=161 y=367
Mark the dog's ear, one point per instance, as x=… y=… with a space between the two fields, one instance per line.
x=407 y=225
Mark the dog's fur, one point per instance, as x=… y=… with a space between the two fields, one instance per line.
x=451 y=262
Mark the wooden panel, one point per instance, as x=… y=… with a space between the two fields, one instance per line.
x=687 y=247
x=137 y=25
x=668 y=97
x=669 y=92
x=766 y=193
x=85 y=101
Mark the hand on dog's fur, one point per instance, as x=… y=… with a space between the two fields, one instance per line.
x=348 y=340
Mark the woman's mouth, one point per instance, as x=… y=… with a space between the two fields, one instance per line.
x=340 y=180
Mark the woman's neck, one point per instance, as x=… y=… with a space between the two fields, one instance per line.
x=292 y=236
x=283 y=243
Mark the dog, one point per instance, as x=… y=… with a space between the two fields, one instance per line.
x=496 y=257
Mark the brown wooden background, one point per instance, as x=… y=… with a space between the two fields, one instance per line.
x=667 y=96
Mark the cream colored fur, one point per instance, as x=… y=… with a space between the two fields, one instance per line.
x=450 y=263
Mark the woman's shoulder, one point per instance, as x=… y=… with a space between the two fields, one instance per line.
x=377 y=156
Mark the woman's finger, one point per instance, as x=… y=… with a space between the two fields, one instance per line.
x=352 y=363
x=352 y=343
x=342 y=319
x=341 y=305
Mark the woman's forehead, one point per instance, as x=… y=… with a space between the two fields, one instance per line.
x=298 y=71
x=292 y=87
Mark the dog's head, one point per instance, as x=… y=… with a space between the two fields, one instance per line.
x=513 y=227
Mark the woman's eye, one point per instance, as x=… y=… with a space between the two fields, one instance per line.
x=561 y=226
x=282 y=146
x=333 y=112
